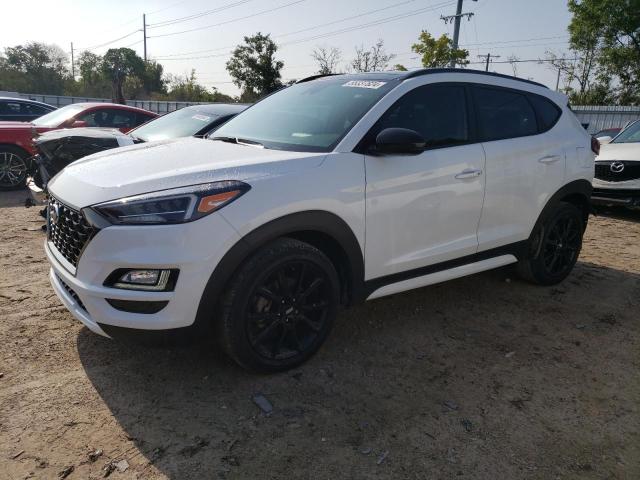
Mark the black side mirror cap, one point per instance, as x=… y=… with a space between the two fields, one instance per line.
x=399 y=141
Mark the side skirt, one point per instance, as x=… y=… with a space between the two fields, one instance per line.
x=441 y=272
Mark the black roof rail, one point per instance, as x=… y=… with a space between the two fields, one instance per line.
x=427 y=71
x=320 y=75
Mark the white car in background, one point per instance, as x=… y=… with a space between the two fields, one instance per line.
x=330 y=192
x=617 y=172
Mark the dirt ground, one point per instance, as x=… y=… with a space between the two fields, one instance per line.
x=485 y=377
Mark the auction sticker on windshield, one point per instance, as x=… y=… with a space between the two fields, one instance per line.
x=364 y=84
x=202 y=118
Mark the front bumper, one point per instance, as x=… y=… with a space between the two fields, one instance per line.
x=194 y=248
x=626 y=194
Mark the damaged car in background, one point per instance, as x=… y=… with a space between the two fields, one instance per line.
x=59 y=148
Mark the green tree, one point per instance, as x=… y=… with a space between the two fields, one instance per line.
x=117 y=65
x=399 y=67
x=34 y=67
x=254 y=68
x=438 y=52
x=153 y=78
x=611 y=28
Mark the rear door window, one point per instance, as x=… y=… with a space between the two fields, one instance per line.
x=503 y=114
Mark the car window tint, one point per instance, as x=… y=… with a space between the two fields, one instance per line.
x=10 y=108
x=109 y=118
x=503 y=114
x=548 y=112
x=437 y=112
x=32 y=109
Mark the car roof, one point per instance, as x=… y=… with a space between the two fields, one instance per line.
x=218 y=108
x=113 y=105
x=404 y=75
x=25 y=100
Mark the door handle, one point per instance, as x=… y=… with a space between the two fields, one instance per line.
x=468 y=173
x=549 y=159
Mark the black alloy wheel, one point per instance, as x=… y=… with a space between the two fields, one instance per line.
x=288 y=310
x=279 y=307
x=561 y=245
x=554 y=246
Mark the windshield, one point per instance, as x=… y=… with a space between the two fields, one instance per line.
x=308 y=117
x=181 y=123
x=631 y=134
x=57 y=117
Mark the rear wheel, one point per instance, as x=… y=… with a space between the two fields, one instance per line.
x=279 y=306
x=554 y=246
x=13 y=168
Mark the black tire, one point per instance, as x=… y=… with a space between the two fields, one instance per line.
x=279 y=306
x=554 y=246
x=13 y=168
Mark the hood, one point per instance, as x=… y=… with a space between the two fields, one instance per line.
x=61 y=147
x=619 y=151
x=165 y=164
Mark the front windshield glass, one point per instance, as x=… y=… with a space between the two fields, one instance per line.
x=181 y=123
x=631 y=134
x=308 y=117
x=57 y=117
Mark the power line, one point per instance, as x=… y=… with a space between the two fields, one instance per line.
x=110 y=41
x=194 y=16
x=324 y=35
x=298 y=31
x=229 y=21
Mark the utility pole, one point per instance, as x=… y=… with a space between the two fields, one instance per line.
x=144 y=32
x=456 y=25
x=488 y=56
x=73 y=66
x=558 y=80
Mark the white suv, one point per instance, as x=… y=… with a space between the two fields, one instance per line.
x=336 y=190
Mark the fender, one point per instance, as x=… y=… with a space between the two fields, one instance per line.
x=575 y=189
x=295 y=225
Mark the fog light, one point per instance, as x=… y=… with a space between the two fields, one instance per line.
x=147 y=279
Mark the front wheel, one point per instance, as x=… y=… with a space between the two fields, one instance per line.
x=554 y=246
x=13 y=168
x=279 y=307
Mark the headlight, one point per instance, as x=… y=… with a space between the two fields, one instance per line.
x=177 y=205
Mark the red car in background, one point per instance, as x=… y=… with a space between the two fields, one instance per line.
x=16 y=146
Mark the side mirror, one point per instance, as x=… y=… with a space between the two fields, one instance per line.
x=604 y=140
x=78 y=124
x=399 y=140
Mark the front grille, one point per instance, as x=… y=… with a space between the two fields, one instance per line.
x=68 y=230
x=72 y=293
x=630 y=171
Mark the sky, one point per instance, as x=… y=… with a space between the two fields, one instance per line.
x=200 y=34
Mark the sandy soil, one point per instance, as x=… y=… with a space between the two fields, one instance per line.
x=485 y=377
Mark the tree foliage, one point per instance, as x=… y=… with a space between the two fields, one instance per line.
x=34 y=67
x=254 y=68
x=374 y=59
x=327 y=59
x=438 y=52
x=606 y=35
x=118 y=64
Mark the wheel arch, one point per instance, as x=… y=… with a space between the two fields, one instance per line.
x=577 y=192
x=17 y=147
x=324 y=230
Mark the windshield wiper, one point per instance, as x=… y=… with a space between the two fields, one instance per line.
x=238 y=141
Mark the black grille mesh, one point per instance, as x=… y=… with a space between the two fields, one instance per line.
x=73 y=294
x=631 y=171
x=68 y=230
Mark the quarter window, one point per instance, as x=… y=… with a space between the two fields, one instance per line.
x=548 y=112
x=503 y=114
x=437 y=112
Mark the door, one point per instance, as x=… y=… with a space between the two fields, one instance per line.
x=424 y=209
x=525 y=162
